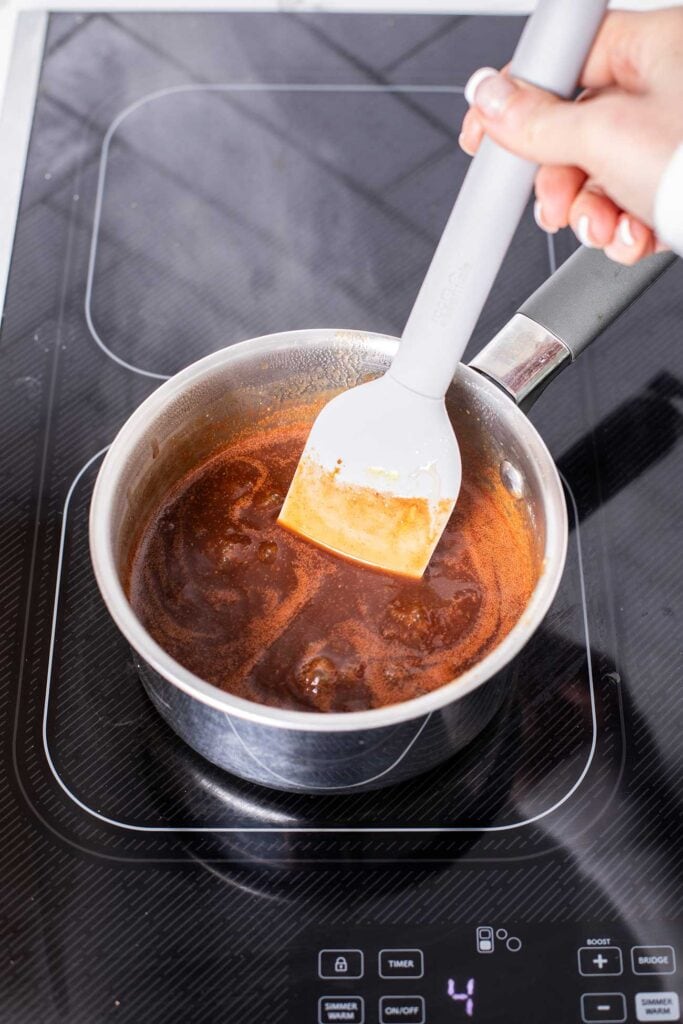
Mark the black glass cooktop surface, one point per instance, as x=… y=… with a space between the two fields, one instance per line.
x=194 y=180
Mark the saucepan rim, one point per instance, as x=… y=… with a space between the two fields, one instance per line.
x=106 y=573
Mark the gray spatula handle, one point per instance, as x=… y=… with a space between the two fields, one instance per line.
x=587 y=293
x=553 y=47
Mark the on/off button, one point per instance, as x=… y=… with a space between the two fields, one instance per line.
x=401 y=1008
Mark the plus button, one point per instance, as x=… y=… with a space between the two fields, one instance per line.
x=600 y=963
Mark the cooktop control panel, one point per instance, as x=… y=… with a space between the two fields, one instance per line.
x=495 y=971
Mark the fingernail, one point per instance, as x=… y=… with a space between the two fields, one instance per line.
x=614 y=253
x=461 y=143
x=474 y=80
x=489 y=91
x=624 y=232
x=583 y=231
x=538 y=217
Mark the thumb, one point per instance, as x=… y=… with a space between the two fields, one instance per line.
x=530 y=122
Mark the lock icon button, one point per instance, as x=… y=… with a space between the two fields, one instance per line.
x=340 y=963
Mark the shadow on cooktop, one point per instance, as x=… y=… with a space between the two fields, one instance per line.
x=626 y=443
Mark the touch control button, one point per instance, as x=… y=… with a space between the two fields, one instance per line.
x=595 y=962
x=603 y=1008
x=653 y=960
x=657 y=1006
x=340 y=963
x=337 y=1009
x=401 y=963
x=394 y=1008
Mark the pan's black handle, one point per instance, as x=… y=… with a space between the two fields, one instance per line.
x=562 y=318
x=588 y=292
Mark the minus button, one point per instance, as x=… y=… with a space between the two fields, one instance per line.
x=603 y=1008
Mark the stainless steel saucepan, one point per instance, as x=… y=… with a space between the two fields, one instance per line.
x=191 y=414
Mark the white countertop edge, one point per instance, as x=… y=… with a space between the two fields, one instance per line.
x=16 y=116
x=10 y=8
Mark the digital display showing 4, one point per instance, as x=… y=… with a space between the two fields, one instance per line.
x=466 y=998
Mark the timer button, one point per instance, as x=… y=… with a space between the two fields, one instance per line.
x=603 y=1008
x=597 y=961
x=401 y=963
x=653 y=960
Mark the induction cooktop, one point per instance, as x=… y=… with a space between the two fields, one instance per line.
x=193 y=180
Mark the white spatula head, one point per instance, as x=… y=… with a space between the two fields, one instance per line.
x=378 y=478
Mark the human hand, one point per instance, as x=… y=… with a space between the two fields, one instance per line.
x=601 y=157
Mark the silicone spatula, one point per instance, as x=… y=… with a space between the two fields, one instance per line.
x=380 y=473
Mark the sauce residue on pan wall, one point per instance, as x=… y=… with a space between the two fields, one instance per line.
x=262 y=613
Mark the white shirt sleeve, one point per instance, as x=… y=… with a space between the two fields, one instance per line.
x=669 y=203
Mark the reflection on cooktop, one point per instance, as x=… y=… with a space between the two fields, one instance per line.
x=198 y=264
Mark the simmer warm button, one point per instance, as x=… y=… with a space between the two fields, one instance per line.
x=653 y=960
x=341 y=1010
x=657 y=1006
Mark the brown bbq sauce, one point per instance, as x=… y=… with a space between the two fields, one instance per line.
x=263 y=614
